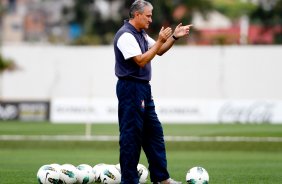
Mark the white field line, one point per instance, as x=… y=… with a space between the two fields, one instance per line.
x=116 y=138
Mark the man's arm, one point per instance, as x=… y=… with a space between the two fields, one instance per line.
x=166 y=46
x=179 y=32
x=145 y=58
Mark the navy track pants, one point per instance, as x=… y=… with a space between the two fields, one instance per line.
x=139 y=128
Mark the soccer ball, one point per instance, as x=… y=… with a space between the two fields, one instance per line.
x=97 y=170
x=85 y=174
x=197 y=175
x=143 y=173
x=47 y=174
x=110 y=174
x=68 y=173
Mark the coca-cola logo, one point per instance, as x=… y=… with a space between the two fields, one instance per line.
x=8 y=111
x=257 y=112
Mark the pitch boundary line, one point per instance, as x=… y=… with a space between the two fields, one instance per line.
x=116 y=138
x=222 y=139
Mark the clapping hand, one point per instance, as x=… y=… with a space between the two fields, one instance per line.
x=164 y=34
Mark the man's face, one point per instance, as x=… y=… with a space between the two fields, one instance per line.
x=145 y=18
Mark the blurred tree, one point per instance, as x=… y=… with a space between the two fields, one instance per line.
x=202 y=6
x=96 y=30
x=183 y=11
x=79 y=18
x=269 y=15
x=238 y=11
x=5 y=65
x=234 y=9
x=172 y=12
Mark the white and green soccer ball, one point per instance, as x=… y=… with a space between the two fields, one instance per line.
x=110 y=174
x=97 y=170
x=48 y=174
x=68 y=174
x=197 y=175
x=142 y=173
x=85 y=174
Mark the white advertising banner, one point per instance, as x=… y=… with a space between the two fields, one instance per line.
x=104 y=110
x=247 y=111
x=219 y=111
x=82 y=110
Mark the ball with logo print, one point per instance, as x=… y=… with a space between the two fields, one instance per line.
x=110 y=174
x=197 y=175
x=48 y=174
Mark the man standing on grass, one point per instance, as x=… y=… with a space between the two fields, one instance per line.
x=138 y=122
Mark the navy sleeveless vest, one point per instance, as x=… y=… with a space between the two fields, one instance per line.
x=128 y=68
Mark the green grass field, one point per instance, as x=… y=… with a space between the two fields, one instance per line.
x=227 y=162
